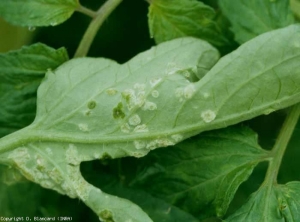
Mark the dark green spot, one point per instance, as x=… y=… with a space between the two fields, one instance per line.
x=106 y=156
x=126 y=96
x=106 y=216
x=118 y=111
x=40 y=168
x=91 y=105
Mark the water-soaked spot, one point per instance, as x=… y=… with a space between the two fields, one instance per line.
x=155 y=94
x=177 y=137
x=118 y=111
x=134 y=120
x=140 y=144
x=83 y=127
x=206 y=95
x=131 y=98
x=40 y=163
x=138 y=154
x=179 y=92
x=149 y=106
x=139 y=86
x=106 y=216
x=72 y=156
x=106 y=156
x=141 y=128
x=87 y=112
x=125 y=128
x=49 y=151
x=208 y=116
x=91 y=104
x=140 y=99
x=47 y=184
x=189 y=91
x=153 y=82
x=111 y=91
x=172 y=68
x=128 y=95
x=20 y=155
x=56 y=176
x=268 y=111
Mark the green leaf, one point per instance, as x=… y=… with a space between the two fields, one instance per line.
x=295 y=7
x=202 y=175
x=21 y=74
x=288 y=201
x=271 y=204
x=19 y=197
x=97 y=109
x=13 y=202
x=156 y=208
x=111 y=182
x=262 y=207
x=170 y=19
x=37 y=12
x=95 y=98
x=250 y=18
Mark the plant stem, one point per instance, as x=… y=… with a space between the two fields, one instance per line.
x=94 y=26
x=86 y=11
x=281 y=144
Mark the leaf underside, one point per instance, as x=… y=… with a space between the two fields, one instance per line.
x=96 y=109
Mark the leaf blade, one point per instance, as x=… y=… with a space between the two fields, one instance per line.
x=202 y=173
x=252 y=18
x=271 y=203
x=21 y=73
x=174 y=19
x=37 y=13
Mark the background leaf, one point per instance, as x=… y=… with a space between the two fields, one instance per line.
x=36 y=12
x=170 y=19
x=288 y=200
x=262 y=206
x=21 y=197
x=271 y=203
x=202 y=174
x=156 y=208
x=21 y=73
x=250 y=18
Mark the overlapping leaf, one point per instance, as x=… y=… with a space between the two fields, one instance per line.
x=106 y=110
x=156 y=208
x=21 y=74
x=250 y=18
x=271 y=203
x=203 y=173
x=37 y=12
x=170 y=19
x=295 y=7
